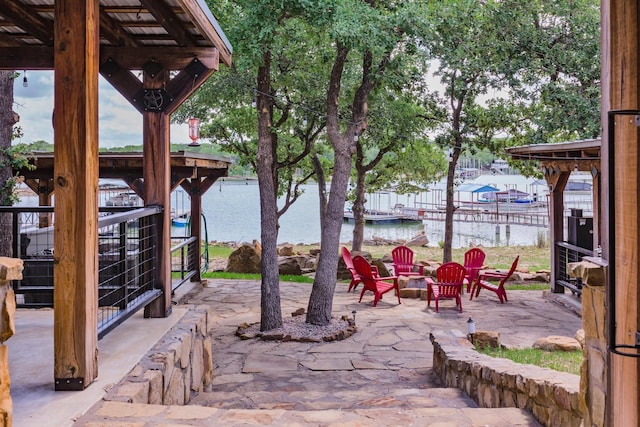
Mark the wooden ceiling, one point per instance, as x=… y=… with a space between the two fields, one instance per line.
x=132 y=32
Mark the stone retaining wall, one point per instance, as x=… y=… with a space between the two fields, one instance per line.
x=10 y=269
x=179 y=364
x=552 y=397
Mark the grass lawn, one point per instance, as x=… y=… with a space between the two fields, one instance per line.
x=531 y=257
x=565 y=361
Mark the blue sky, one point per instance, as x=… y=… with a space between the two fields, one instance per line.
x=119 y=123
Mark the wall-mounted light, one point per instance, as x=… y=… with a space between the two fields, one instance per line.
x=194 y=131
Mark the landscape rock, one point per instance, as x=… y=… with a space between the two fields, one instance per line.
x=557 y=343
x=579 y=336
x=289 y=266
x=286 y=250
x=486 y=339
x=245 y=259
x=419 y=240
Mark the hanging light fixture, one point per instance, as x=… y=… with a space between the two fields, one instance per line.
x=194 y=132
x=25 y=82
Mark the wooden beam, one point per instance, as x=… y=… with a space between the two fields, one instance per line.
x=621 y=90
x=170 y=21
x=157 y=191
x=26 y=58
x=28 y=20
x=557 y=181
x=172 y=58
x=184 y=85
x=76 y=187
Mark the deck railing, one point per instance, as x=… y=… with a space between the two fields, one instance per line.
x=566 y=253
x=126 y=259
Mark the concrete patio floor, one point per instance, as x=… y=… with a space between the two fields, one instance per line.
x=31 y=357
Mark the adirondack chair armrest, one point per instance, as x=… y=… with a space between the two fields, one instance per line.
x=495 y=275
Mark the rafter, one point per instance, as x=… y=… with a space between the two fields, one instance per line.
x=114 y=33
x=28 y=20
x=169 y=20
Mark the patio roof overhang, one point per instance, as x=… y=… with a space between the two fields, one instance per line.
x=564 y=156
x=178 y=36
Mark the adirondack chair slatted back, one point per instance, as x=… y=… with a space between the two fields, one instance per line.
x=402 y=257
x=348 y=262
x=450 y=277
x=473 y=262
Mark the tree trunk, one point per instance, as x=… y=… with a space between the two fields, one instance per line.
x=271 y=311
x=358 y=211
x=7 y=120
x=321 y=299
x=448 y=222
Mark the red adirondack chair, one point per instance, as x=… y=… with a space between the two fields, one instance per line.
x=485 y=278
x=473 y=261
x=449 y=282
x=377 y=285
x=355 y=277
x=403 y=262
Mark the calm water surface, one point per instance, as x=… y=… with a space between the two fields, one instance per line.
x=231 y=210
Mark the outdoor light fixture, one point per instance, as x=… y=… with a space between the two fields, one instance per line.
x=355 y=136
x=25 y=82
x=194 y=132
x=404 y=149
x=471 y=328
x=304 y=121
x=450 y=155
x=354 y=316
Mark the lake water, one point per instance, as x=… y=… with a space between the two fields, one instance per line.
x=231 y=210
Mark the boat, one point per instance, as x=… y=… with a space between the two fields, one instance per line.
x=384 y=217
x=127 y=199
x=180 y=221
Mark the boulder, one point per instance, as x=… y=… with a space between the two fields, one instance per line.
x=289 y=266
x=419 y=240
x=286 y=250
x=557 y=343
x=486 y=339
x=383 y=271
x=245 y=259
x=579 y=336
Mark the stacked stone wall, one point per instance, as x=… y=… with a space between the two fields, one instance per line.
x=10 y=269
x=552 y=397
x=177 y=366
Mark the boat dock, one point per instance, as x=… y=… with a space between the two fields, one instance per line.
x=535 y=218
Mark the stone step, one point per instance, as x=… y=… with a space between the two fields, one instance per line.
x=358 y=398
x=112 y=414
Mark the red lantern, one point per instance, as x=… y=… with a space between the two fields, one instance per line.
x=194 y=131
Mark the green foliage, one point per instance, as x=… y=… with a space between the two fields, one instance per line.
x=13 y=157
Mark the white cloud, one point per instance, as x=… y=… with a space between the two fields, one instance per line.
x=119 y=122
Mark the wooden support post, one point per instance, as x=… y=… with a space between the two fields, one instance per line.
x=621 y=90
x=557 y=181
x=76 y=53
x=157 y=191
x=196 y=229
